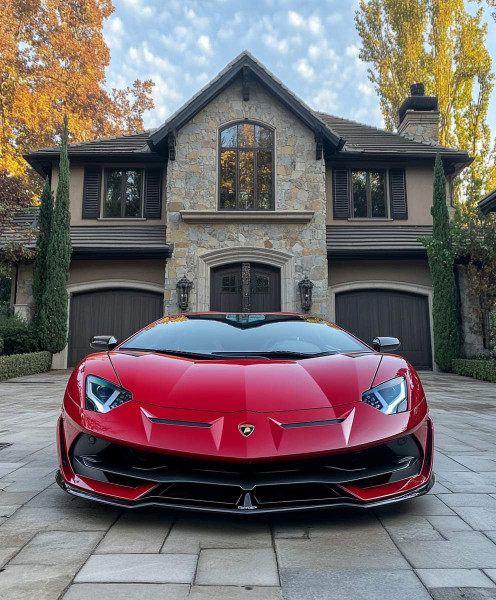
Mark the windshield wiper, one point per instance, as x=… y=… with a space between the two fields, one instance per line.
x=276 y=354
x=184 y=353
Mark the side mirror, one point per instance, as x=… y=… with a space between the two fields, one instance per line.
x=103 y=343
x=386 y=344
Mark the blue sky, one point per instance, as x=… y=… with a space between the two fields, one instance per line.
x=311 y=46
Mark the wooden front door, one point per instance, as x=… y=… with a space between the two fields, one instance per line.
x=369 y=313
x=245 y=287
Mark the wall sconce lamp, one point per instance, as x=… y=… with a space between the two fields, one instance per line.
x=305 y=286
x=183 y=287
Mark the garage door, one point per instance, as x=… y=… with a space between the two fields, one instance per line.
x=109 y=312
x=369 y=313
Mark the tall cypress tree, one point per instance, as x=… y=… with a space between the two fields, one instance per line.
x=40 y=259
x=441 y=254
x=53 y=317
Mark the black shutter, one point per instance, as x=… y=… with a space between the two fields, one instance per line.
x=397 y=188
x=91 y=192
x=153 y=194
x=341 y=193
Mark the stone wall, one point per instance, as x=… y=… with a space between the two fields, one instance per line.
x=421 y=126
x=192 y=184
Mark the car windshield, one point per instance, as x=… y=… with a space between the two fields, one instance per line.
x=222 y=335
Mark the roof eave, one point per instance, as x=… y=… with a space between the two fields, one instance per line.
x=377 y=253
x=488 y=203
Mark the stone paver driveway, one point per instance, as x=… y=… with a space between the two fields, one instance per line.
x=440 y=546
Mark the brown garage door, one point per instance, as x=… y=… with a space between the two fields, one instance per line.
x=109 y=312
x=369 y=313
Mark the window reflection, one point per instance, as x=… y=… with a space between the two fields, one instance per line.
x=246 y=167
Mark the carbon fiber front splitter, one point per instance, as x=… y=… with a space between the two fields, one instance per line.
x=247 y=507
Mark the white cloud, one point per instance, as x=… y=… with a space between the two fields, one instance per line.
x=202 y=77
x=163 y=94
x=133 y=54
x=158 y=62
x=139 y=7
x=304 y=69
x=325 y=100
x=314 y=51
x=352 y=50
x=204 y=44
x=322 y=52
x=315 y=25
x=312 y=24
x=195 y=20
x=295 y=19
x=272 y=42
x=366 y=89
x=116 y=26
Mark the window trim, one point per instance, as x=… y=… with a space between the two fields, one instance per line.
x=236 y=149
x=123 y=204
x=368 y=170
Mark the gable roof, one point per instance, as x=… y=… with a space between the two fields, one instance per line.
x=246 y=63
x=341 y=138
x=488 y=203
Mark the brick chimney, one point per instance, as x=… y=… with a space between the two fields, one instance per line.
x=419 y=116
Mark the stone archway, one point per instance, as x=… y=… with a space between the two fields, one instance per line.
x=239 y=254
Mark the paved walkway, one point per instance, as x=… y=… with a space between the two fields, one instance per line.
x=440 y=546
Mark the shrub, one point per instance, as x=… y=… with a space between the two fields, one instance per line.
x=19 y=365
x=17 y=335
x=479 y=369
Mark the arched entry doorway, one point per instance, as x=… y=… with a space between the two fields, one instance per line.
x=245 y=287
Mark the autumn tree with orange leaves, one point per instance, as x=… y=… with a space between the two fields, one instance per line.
x=52 y=63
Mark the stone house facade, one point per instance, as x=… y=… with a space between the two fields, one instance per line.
x=246 y=191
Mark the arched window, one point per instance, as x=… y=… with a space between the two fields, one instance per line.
x=246 y=167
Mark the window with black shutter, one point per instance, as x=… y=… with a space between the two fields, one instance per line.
x=341 y=193
x=91 y=193
x=153 y=193
x=397 y=191
x=362 y=194
x=128 y=193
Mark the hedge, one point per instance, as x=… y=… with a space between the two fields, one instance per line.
x=479 y=369
x=18 y=365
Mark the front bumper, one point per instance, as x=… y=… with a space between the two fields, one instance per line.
x=125 y=476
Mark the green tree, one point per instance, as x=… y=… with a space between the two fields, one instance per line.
x=53 y=313
x=441 y=256
x=443 y=46
x=40 y=265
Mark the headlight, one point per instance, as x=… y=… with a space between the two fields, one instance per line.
x=390 y=397
x=102 y=396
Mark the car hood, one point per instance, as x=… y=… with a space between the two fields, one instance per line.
x=245 y=385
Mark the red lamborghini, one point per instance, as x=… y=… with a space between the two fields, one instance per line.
x=244 y=412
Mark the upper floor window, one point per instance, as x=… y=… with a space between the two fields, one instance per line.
x=127 y=193
x=368 y=194
x=123 y=192
x=246 y=166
